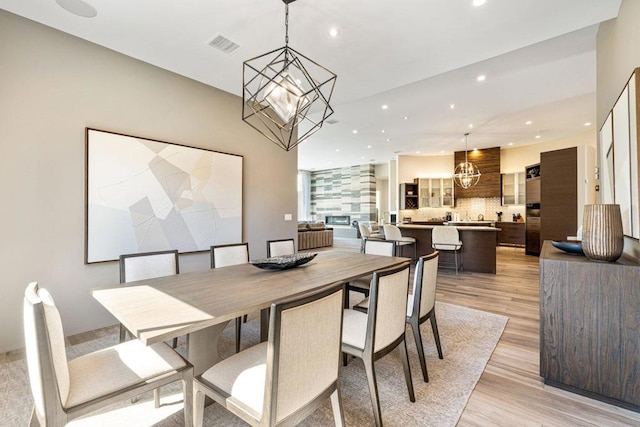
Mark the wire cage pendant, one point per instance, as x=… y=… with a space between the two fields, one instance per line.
x=286 y=96
x=466 y=174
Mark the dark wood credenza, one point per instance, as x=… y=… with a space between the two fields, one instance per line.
x=590 y=326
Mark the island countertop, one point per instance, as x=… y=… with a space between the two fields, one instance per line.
x=478 y=245
x=459 y=227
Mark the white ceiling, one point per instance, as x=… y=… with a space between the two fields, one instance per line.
x=416 y=56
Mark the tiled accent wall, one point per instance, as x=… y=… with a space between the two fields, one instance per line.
x=468 y=209
x=344 y=191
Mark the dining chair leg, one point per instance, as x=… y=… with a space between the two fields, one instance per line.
x=174 y=343
x=345 y=359
x=156 y=398
x=238 y=333
x=373 y=389
x=407 y=370
x=123 y=333
x=415 y=327
x=336 y=405
x=198 y=407
x=187 y=390
x=436 y=335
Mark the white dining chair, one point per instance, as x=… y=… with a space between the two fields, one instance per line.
x=391 y=232
x=147 y=265
x=64 y=390
x=280 y=247
x=446 y=238
x=371 y=247
x=282 y=381
x=366 y=233
x=373 y=335
x=227 y=255
x=420 y=305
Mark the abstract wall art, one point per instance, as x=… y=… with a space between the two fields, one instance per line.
x=145 y=195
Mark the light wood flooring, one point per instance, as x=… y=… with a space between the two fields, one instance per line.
x=510 y=391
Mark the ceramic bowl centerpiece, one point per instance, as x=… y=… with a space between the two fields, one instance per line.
x=602 y=234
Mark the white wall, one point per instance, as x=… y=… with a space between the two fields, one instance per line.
x=515 y=159
x=52 y=86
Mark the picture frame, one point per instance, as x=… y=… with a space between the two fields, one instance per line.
x=144 y=195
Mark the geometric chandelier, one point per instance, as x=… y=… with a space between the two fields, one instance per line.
x=466 y=174
x=284 y=89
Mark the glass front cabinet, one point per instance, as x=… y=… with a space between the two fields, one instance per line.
x=435 y=192
x=513 y=189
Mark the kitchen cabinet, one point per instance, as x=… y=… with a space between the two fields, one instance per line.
x=513 y=188
x=511 y=233
x=566 y=186
x=408 y=195
x=435 y=192
x=589 y=320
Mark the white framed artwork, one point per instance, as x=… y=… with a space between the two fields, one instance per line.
x=146 y=195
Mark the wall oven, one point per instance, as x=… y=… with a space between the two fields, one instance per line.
x=533 y=229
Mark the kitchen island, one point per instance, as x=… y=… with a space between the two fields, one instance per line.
x=478 y=245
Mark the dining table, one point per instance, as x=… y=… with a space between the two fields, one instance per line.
x=200 y=304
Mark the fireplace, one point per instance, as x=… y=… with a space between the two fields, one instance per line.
x=337 y=220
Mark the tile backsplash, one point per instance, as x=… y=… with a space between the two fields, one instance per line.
x=468 y=209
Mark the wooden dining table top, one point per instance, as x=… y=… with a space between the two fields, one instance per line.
x=162 y=308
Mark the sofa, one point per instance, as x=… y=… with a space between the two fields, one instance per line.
x=313 y=235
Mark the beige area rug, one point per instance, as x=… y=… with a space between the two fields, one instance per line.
x=468 y=340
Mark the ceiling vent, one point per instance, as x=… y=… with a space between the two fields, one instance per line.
x=223 y=44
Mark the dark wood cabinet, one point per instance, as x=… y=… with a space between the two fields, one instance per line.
x=488 y=161
x=589 y=326
x=408 y=196
x=558 y=194
x=511 y=233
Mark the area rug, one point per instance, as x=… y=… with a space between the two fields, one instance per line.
x=468 y=340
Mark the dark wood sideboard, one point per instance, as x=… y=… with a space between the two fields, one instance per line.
x=590 y=326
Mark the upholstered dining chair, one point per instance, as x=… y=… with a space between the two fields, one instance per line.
x=391 y=232
x=371 y=247
x=447 y=238
x=373 y=335
x=63 y=390
x=226 y=255
x=280 y=247
x=283 y=380
x=147 y=265
x=420 y=305
x=366 y=233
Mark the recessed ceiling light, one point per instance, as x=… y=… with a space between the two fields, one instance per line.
x=361 y=157
x=355 y=131
x=388 y=139
x=78 y=8
x=538 y=136
x=337 y=150
x=441 y=151
x=528 y=122
x=385 y=106
x=406 y=117
x=481 y=78
x=510 y=144
x=477 y=3
x=333 y=32
x=368 y=146
x=382 y=130
x=470 y=125
x=417 y=152
x=587 y=124
x=452 y=106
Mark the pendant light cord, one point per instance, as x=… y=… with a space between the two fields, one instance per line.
x=286 y=24
x=466 y=148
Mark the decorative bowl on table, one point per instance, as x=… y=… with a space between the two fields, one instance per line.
x=569 y=246
x=283 y=262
